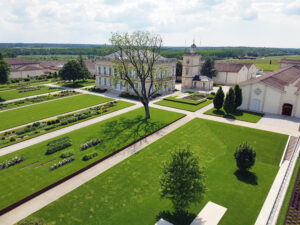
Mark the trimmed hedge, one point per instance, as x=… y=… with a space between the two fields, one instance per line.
x=89 y=156
x=66 y=155
x=184 y=101
x=11 y=162
x=58 y=144
x=90 y=144
x=62 y=163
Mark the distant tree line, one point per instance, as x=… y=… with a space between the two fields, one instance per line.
x=12 y=50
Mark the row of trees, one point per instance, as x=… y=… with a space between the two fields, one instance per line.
x=232 y=100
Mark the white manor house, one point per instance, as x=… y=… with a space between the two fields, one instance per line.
x=166 y=68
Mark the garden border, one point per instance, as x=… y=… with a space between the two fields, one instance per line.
x=37 y=193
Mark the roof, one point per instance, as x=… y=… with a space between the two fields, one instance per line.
x=20 y=61
x=26 y=68
x=201 y=78
x=90 y=65
x=290 y=61
x=279 y=78
x=231 y=66
x=55 y=64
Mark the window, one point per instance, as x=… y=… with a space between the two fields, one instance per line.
x=194 y=84
x=104 y=70
x=99 y=69
x=99 y=80
x=109 y=70
x=186 y=71
x=105 y=81
x=203 y=84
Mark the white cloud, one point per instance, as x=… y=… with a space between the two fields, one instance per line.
x=215 y=22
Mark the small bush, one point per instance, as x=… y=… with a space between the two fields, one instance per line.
x=62 y=163
x=90 y=144
x=66 y=155
x=11 y=162
x=244 y=156
x=89 y=156
x=12 y=139
x=58 y=144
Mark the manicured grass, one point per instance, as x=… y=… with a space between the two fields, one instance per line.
x=115 y=133
x=13 y=94
x=77 y=84
x=16 y=117
x=288 y=195
x=238 y=115
x=50 y=128
x=183 y=106
x=181 y=100
x=130 y=192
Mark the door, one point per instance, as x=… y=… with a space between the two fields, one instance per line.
x=255 y=105
x=287 y=109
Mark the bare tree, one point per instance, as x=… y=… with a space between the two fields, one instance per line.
x=136 y=64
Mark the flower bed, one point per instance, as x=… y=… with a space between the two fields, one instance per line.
x=58 y=144
x=62 y=163
x=11 y=162
x=90 y=144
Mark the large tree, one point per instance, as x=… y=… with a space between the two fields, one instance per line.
x=219 y=99
x=71 y=71
x=183 y=181
x=238 y=96
x=229 y=103
x=208 y=68
x=135 y=64
x=84 y=70
x=4 y=70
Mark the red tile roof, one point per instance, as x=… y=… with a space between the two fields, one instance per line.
x=20 y=61
x=279 y=78
x=233 y=67
x=290 y=61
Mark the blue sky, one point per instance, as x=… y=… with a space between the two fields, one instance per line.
x=262 y=23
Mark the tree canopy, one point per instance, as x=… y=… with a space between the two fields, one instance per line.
x=244 y=156
x=208 y=68
x=183 y=181
x=71 y=71
x=135 y=64
x=4 y=70
x=229 y=103
x=219 y=99
x=238 y=96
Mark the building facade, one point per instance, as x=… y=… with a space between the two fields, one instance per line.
x=104 y=65
x=229 y=73
x=276 y=93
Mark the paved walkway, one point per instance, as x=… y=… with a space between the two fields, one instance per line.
x=211 y=214
x=46 y=198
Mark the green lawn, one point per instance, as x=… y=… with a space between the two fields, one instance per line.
x=181 y=100
x=23 y=83
x=16 y=117
x=77 y=84
x=288 y=195
x=115 y=133
x=13 y=94
x=238 y=115
x=129 y=192
x=178 y=105
x=267 y=63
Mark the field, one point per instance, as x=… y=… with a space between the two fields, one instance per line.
x=183 y=106
x=14 y=94
x=288 y=195
x=267 y=63
x=115 y=133
x=238 y=115
x=129 y=192
x=16 y=117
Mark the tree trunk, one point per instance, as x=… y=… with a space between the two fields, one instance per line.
x=147 y=111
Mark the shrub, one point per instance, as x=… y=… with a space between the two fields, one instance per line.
x=11 y=162
x=244 y=156
x=90 y=143
x=213 y=93
x=66 y=155
x=58 y=144
x=3 y=138
x=12 y=139
x=62 y=163
x=89 y=156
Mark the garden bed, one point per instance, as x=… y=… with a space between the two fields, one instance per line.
x=43 y=127
x=185 y=101
x=24 y=115
x=38 y=99
x=238 y=115
x=183 y=106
